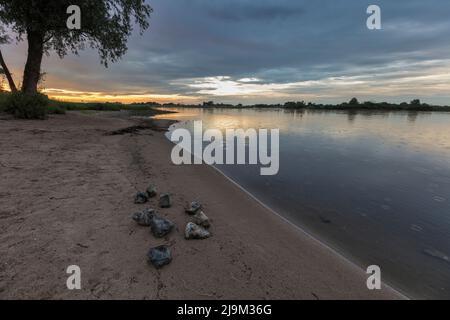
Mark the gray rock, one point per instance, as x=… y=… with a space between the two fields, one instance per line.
x=193 y=208
x=159 y=256
x=165 y=201
x=201 y=219
x=160 y=226
x=194 y=231
x=151 y=191
x=144 y=217
x=141 y=198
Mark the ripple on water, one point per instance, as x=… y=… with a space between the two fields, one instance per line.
x=415 y=227
x=436 y=254
x=439 y=199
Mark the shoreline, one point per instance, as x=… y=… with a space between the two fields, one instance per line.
x=443 y=109
x=80 y=182
x=301 y=229
x=311 y=235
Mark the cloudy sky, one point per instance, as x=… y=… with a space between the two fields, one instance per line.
x=268 y=51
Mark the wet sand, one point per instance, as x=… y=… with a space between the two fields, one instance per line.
x=66 y=197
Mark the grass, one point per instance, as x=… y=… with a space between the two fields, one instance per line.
x=60 y=107
x=106 y=106
x=3 y=97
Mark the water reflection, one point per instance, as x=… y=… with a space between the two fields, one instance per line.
x=428 y=132
x=374 y=185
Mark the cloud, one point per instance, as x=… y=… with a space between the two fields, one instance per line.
x=246 y=11
x=387 y=82
x=271 y=50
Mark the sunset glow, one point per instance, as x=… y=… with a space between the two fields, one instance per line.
x=262 y=57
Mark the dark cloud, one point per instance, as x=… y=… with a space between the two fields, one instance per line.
x=255 y=11
x=275 y=41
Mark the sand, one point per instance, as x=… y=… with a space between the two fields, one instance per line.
x=66 y=198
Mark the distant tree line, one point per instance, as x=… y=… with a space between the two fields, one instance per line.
x=353 y=104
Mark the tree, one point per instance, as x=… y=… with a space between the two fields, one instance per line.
x=105 y=26
x=354 y=102
x=4 y=68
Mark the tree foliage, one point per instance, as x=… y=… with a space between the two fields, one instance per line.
x=106 y=24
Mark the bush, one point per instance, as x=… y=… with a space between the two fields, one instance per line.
x=25 y=106
x=3 y=97
x=55 y=109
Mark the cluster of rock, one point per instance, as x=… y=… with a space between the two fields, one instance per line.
x=196 y=229
x=161 y=227
x=143 y=197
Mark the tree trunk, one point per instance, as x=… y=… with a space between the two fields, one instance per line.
x=11 y=83
x=32 y=72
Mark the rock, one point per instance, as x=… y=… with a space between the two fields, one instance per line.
x=193 y=207
x=194 y=231
x=151 y=191
x=144 y=218
x=141 y=198
x=159 y=256
x=201 y=219
x=165 y=201
x=160 y=226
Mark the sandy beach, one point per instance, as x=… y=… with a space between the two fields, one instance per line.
x=66 y=197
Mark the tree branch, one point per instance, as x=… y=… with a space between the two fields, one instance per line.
x=48 y=39
x=11 y=83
